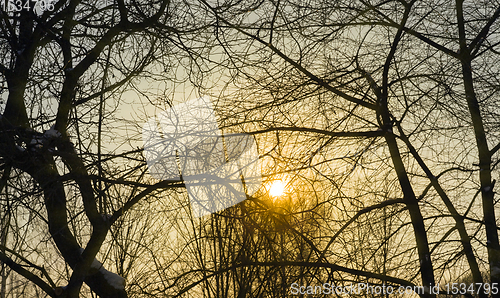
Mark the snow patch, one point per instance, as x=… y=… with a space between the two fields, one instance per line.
x=114 y=280
x=20 y=148
x=96 y=264
x=487 y=188
x=52 y=133
x=36 y=143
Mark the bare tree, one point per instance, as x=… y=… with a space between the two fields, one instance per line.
x=69 y=172
x=379 y=116
x=391 y=103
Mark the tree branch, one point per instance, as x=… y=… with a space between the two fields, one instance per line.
x=27 y=274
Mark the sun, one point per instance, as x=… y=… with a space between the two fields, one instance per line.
x=277 y=188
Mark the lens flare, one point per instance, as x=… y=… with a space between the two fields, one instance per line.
x=277 y=188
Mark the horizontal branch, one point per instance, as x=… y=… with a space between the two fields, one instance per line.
x=27 y=274
x=358 y=214
x=294 y=63
x=340 y=134
x=129 y=204
x=333 y=267
x=44 y=272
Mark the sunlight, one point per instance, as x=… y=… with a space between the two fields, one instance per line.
x=277 y=188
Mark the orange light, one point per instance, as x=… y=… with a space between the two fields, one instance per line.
x=277 y=188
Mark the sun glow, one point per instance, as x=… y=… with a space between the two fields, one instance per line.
x=277 y=188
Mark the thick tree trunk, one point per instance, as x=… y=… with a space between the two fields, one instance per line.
x=484 y=154
x=410 y=200
x=55 y=202
x=417 y=220
x=465 y=239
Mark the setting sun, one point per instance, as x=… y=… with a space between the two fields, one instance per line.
x=277 y=188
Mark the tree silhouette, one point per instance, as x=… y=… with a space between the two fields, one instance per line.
x=379 y=116
x=65 y=67
x=400 y=94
